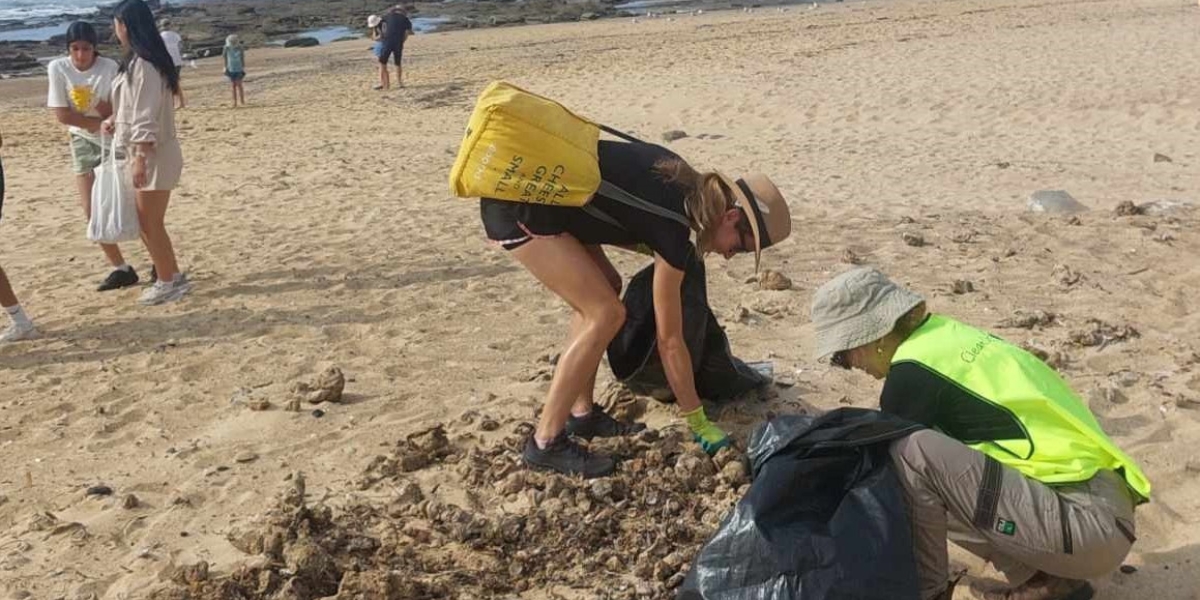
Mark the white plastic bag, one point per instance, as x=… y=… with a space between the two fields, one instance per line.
x=114 y=205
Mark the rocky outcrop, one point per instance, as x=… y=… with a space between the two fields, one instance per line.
x=302 y=42
x=18 y=61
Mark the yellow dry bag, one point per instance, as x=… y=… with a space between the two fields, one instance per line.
x=525 y=148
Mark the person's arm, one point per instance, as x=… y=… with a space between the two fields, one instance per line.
x=676 y=359
x=921 y=395
x=105 y=108
x=146 y=98
x=58 y=100
x=68 y=116
x=912 y=392
x=668 y=317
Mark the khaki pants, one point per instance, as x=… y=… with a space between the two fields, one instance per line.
x=1076 y=531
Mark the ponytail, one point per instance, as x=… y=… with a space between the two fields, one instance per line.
x=705 y=196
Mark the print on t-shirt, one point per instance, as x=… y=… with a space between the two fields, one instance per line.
x=82 y=97
x=79 y=90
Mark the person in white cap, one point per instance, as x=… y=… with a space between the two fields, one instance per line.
x=562 y=247
x=1014 y=469
x=375 y=32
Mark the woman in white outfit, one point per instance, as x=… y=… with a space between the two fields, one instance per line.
x=144 y=124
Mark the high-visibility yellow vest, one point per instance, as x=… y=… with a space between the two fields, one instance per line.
x=1063 y=443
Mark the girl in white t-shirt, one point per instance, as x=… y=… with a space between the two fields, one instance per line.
x=80 y=89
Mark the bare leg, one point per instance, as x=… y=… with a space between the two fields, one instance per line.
x=566 y=267
x=399 y=76
x=182 y=100
x=7 y=296
x=152 y=210
x=241 y=90
x=22 y=327
x=84 y=184
x=583 y=403
x=384 y=77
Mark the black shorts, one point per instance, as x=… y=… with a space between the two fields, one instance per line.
x=179 y=71
x=512 y=224
x=393 y=49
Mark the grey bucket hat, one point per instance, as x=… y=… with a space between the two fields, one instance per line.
x=858 y=307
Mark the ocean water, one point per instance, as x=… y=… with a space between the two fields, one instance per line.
x=37 y=12
x=24 y=10
x=324 y=35
x=33 y=34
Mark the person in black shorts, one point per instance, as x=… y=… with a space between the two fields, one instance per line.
x=561 y=246
x=396 y=29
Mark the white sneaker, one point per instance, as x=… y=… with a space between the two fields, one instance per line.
x=16 y=333
x=166 y=291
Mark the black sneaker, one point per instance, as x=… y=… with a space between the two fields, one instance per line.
x=118 y=279
x=567 y=457
x=600 y=424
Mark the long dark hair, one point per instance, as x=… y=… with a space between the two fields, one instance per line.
x=145 y=42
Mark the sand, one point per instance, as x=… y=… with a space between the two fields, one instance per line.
x=318 y=230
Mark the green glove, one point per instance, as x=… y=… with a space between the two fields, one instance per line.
x=709 y=436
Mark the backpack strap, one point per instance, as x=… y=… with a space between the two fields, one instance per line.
x=600 y=215
x=613 y=192
x=620 y=134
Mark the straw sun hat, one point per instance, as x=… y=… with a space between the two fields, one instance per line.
x=856 y=308
x=757 y=195
x=373 y=21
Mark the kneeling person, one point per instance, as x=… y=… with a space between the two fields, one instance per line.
x=1015 y=468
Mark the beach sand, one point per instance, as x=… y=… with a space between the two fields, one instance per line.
x=318 y=230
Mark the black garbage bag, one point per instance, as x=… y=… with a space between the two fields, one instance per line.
x=824 y=518
x=633 y=354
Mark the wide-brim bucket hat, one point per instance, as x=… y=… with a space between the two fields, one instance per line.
x=757 y=195
x=856 y=308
